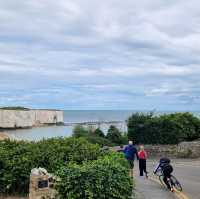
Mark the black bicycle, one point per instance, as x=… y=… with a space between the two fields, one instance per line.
x=174 y=183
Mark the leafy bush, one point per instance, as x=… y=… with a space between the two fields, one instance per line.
x=94 y=136
x=114 y=135
x=106 y=177
x=137 y=126
x=189 y=125
x=99 y=132
x=18 y=158
x=79 y=131
x=99 y=140
x=163 y=129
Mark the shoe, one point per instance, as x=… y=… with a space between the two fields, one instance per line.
x=172 y=189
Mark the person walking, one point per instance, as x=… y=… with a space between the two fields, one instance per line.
x=142 y=161
x=130 y=152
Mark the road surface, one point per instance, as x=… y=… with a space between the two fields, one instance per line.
x=187 y=172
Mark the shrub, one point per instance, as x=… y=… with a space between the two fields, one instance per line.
x=189 y=125
x=79 y=131
x=99 y=132
x=106 y=177
x=137 y=126
x=99 y=140
x=114 y=135
x=163 y=129
x=18 y=158
x=94 y=136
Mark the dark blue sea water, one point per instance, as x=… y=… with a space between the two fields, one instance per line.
x=74 y=117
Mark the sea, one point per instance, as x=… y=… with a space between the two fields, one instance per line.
x=92 y=118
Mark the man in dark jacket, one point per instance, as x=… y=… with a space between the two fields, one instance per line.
x=166 y=168
x=130 y=152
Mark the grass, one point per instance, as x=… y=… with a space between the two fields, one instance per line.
x=14 y=108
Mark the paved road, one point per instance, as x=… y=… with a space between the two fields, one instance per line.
x=188 y=173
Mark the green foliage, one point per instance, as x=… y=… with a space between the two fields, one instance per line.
x=189 y=125
x=106 y=177
x=98 y=140
x=114 y=135
x=94 y=136
x=79 y=131
x=15 y=108
x=136 y=125
x=99 y=132
x=18 y=158
x=163 y=129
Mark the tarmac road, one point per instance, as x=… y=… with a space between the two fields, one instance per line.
x=187 y=172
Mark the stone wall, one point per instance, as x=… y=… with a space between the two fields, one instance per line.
x=189 y=149
x=29 y=118
x=182 y=150
x=158 y=151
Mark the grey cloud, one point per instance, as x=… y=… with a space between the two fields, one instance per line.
x=108 y=54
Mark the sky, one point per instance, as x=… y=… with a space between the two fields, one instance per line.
x=91 y=54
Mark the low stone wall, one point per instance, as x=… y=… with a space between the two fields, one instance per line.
x=12 y=119
x=182 y=150
x=158 y=151
x=189 y=149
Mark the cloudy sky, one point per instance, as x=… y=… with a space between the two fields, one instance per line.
x=91 y=54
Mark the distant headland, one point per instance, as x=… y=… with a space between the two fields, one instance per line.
x=21 y=117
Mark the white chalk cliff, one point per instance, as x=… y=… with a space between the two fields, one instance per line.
x=29 y=118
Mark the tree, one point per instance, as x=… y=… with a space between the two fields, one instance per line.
x=114 y=135
x=163 y=129
x=137 y=125
x=99 y=132
x=79 y=131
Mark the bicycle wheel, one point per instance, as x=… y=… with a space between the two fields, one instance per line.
x=176 y=183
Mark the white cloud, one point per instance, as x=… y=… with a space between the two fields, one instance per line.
x=125 y=48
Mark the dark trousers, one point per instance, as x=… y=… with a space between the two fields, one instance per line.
x=165 y=179
x=142 y=166
x=167 y=174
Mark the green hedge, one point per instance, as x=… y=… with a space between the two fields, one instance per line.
x=96 y=136
x=163 y=129
x=106 y=177
x=18 y=158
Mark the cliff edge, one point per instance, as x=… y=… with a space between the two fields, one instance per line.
x=13 y=119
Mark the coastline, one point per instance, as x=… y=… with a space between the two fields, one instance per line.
x=4 y=136
x=22 y=119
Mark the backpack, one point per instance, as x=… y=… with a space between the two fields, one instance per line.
x=167 y=169
x=128 y=152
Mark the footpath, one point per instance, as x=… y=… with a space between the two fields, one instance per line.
x=187 y=171
x=150 y=189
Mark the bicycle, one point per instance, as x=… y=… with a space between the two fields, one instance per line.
x=172 y=181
